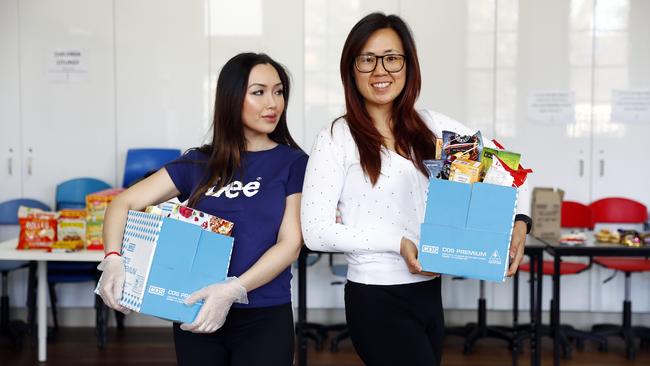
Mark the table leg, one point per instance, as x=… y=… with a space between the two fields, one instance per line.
x=555 y=310
x=302 y=307
x=539 y=281
x=41 y=306
x=533 y=311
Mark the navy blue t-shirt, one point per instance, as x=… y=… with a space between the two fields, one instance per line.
x=255 y=204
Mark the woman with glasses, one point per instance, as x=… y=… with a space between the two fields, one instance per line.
x=368 y=165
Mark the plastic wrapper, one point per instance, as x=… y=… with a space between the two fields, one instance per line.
x=510 y=158
x=467 y=147
x=435 y=168
x=37 y=228
x=202 y=219
x=71 y=230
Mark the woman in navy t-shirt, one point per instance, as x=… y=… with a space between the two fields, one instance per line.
x=251 y=174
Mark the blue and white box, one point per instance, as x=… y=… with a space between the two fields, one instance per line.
x=166 y=260
x=467 y=229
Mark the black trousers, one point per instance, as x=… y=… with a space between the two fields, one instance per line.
x=252 y=336
x=396 y=324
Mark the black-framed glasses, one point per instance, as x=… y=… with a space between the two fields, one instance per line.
x=392 y=62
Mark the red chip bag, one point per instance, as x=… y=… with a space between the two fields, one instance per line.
x=37 y=230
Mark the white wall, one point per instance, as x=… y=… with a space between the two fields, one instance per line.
x=151 y=68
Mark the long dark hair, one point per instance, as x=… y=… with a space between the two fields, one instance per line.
x=228 y=141
x=412 y=136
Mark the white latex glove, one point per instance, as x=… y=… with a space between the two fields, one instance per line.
x=111 y=283
x=217 y=300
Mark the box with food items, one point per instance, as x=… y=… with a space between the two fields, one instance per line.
x=471 y=205
x=168 y=257
x=96 y=204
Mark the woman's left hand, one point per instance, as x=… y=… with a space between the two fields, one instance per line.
x=217 y=300
x=517 y=245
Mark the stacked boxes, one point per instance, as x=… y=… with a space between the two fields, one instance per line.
x=96 y=204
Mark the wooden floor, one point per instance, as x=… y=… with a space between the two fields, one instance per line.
x=153 y=346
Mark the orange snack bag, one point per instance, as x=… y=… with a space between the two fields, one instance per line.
x=37 y=230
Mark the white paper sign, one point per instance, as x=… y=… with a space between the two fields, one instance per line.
x=67 y=65
x=631 y=106
x=551 y=107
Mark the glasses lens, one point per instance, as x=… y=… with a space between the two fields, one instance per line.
x=366 y=63
x=393 y=63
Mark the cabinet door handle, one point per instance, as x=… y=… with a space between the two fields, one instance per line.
x=581 y=167
x=29 y=165
x=10 y=165
x=602 y=167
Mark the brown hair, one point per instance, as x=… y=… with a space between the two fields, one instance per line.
x=412 y=136
x=228 y=141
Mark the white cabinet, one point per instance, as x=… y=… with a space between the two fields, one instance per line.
x=10 y=142
x=67 y=127
x=621 y=62
x=551 y=53
x=162 y=75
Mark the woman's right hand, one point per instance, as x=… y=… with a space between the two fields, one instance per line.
x=409 y=251
x=112 y=282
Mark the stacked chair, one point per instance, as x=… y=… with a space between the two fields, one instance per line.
x=142 y=162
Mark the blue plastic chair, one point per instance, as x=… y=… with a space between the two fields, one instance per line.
x=9 y=217
x=140 y=162
x=72 y=194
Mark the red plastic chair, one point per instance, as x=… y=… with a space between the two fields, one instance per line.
x=574 y=215
x=622 y=211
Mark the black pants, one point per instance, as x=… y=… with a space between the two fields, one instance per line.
x=253 y=336
x=397 y=324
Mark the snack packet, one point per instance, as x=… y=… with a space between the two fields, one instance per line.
x=37 y=228
x=435 y=168
x=499 y=176
x=71 y=229
x=202 y=219
x=468 y=147
x=511 y=159
x=465 y=171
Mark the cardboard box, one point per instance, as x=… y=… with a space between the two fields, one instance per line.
x=546 y=213
x=467 y=229
x=167 y=260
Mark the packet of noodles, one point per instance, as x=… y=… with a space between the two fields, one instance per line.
x=468 y=147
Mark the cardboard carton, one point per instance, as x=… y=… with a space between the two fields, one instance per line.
x=546 y=213
x=467 y=229
x=166 y=260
